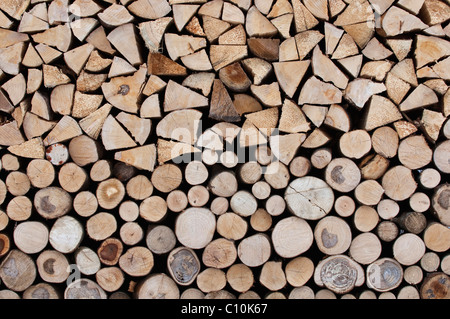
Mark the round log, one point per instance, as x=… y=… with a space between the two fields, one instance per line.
x=365 y=248
x=101 y=226
x=435 y=286
x=160 y=239
x=41 y=173
x=344 y=206
x=261 y=220
x=183 y=265
x=177 y=201
x=243 y=203
x=129 y=211
x=254 y=250
x=110 y=278
x=166 y=177
x=85 y=203
x=342 y=174
x=66 y=234
x=87 y=261
x=309 y=198
x=196 y=173
x=31 y=237
x=440 y=202
x=332 y=235
x=299 y=270
x=219 y=253
x=110 y=193
x=408 y=249
x=139 y=187
x=231 y=226
x=131 y=233
x=137 y=261
x=19 y=208
x=84 y=288
x=53 y=266
x=198 y=196
x=153 y=209
x=195 y=227
x=17 y=271
x=399 y=183
x=110 y=251
x=240 y=277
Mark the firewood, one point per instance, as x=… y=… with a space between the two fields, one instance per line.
x=52 y=266
x=25 y=273
x=87 y=260
x=115 y=15
x=435 y=237
x=17 y=183
x=140 y=265
x=84 y=289
x=440 y=157
x=19 y=208
x=72 y=177
x=66 y=129
x=315 y=91
x=182 y=13
x=414 y=152
x=288 y=50
x=160 y=239
x=150 y=9
x=153 y=209
x=439 y=205
x=289 y=75
x=223 y=55
x=337 y=118
x=66 y=234
x=365 y=248
x=57 y=154
x=416 y=249
x=85 y=203
x=183 y=273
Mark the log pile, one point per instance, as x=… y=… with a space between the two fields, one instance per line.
x=224 y=149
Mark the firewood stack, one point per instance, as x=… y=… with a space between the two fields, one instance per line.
x=224 y=149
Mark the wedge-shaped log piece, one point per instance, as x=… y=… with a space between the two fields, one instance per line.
x=315 y=91
x=182 y=13
x=59 y=37
x=66 y=129
x=14 y=8
x=200 y=81
x=98 y=39
x=169 y=150
x=125 y=40
x=93 y=123
x=152 y=31
x=16 y=88
x=266 y=120
x=380 y=111
x=115 y=15
x=141 y=157
x=422 y=96
x=267 y=94
x=139 y=128
x=181 y=45
x=258 y=69
x=223 y=55
x=10 y=134
x=114 y=136
x=257 y=25
x=150 y=9
x=179 y=97
x=324 y=68
x=222 y=107
x=285 y=147
x=338 y=118
x=398 y=21
x=77 y=58
x=53 y=76
x=430 y=49
x=124 y=92
x=359 y=91
x=303 y=18
x=33 y=148
x=11 y=58
x=159 y=64
x=34 y=126
x=9 y=37
x=306 y=41
x=180 y=125
x=292 y=118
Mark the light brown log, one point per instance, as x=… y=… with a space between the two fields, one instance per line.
x=430 y=262
x=365 y=218
x=195 y=220
x=419 y=202
x=275 y=205
x=211 y=279
x=183 y=265
x=177 y=201
x=23 y=271
x=101 y=226
x=388 y=208
x=153 y=209
x=309 y=197
x=84 y=288
x=66 y=129
x=72 y=177
x=342 y=174
x=240 y=277
x=254 y=250
x=139 y=187
x=110 y=251
x=373 y=166
x=195 y=173
x=332 y=235
x=387 y=231
x=66 y=234
x=398 y=183
x=413 y=275
x=435 y=286
x=160 y=239
x=53 y=266
x=385 y=141
x=440 y=157
x=52 y=202
x=261 y=220
x=101 y=170
x=261 y=190
x=344 y=206
x=436 y=236
x=198 y=196
x=110 y=278
x=299 y=270
x=277 y=175
x=19 y=208
x=445 y=264
x=85 y=203
x=157 y=285
x=129 y=210
x=219 y=253
x=166 y=178
x=87 y=260
x=408 y=249
x=414 y=152
x=243 y=203
x=110 y=193
x=369 y=192
x=137 y=261
x=272 y=276
x=285 y=230
x=5 y=245
x=231 y=226
x=32 y=148
x=223 y=183
x=131 y=233
x=31 y=236
x=365 y=248
x=300 y=166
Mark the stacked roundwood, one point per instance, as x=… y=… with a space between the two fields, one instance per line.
x=224 y=149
